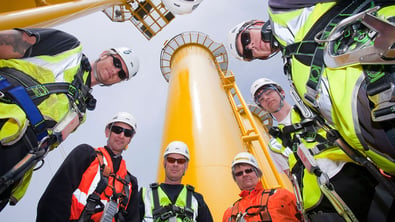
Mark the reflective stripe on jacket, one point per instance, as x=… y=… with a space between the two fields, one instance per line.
x=338 y=89
x=44 y=69
x=90 y=180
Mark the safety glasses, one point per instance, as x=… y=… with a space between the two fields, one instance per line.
x=263 y=93
x=173 y=160
x=246 y=171
x=119 y=130
x=245 y=39
x=118 y=64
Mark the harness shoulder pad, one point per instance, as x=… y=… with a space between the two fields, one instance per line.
x=154 y=185
x=190 y=187
x=106 y=169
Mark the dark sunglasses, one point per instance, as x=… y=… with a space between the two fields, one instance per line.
x=119 y=130
x=118 y=64
x=173 y=160
x=245 y=39
x=246 y=171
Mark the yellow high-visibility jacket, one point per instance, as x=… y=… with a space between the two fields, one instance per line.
x=339 y=89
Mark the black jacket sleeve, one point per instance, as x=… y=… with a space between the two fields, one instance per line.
x=49 y=41
x=133 y=207
x=204 y=214
x=55 y=203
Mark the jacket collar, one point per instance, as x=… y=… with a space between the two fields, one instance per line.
x=257 y=188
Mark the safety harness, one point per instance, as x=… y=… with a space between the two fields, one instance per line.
x=292 y=136
x=76 y=91
x=165 y=213
x=310 y=52
x=21 y=89
x=94 y=204
x=380 y=87
x=251 y=211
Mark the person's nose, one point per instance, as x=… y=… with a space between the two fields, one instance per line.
x=250 y=45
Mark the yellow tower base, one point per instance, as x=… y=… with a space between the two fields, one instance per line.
x=202 y=112
x=199 y=114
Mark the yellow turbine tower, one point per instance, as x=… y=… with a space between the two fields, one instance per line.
x=201 y=112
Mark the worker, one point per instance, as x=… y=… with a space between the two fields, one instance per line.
x=45 y=88
x=94 y=184
x=354 y=100
x=172 y=200
x=278 y=108
x=332 y=167
x=258 y=203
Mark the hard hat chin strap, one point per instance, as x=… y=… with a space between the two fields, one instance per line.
x=281 y=101
x=281 y=105
x=267 y=36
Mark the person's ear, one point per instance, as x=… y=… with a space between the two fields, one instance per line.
x=107 y=132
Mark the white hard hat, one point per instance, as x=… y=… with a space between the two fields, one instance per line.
x=130 y=58
x=181 y=7
x=177 y=147
x=124 y=117
x=234 y=33
x=245 y=157
x=259 y=83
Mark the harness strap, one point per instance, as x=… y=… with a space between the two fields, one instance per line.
x=20 y=96
x=355 y=155
x=261 y=209
x=77 y=91
x=94 y=198
x=311 y=53
x=26 y=92
x=155 y=196
x=303 y=48
x=188 y=207
x=305 y=160
x=380 y=88
x=318 y=65
x=163 y=213
x=308 y=133
x=124 y=200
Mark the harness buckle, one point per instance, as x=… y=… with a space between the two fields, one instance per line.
x=371 y=43
x=307 y=159
x=311 y=97
x=39 y=90
x=72 y=91
x=166 y=215
x=383 y=112
x=384 y=104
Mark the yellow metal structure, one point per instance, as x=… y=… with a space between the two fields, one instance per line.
x=148 y=16
x=199 y=114
x=202 y=111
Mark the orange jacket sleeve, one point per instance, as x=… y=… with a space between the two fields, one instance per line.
x=282 y=206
